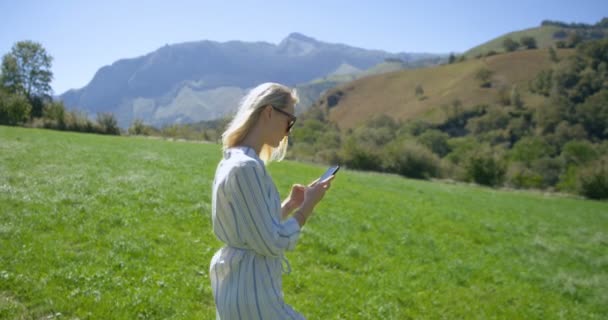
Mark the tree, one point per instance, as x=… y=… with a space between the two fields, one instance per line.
x=510 y=44
x=452 y=58
x=26 y=70
x=528 y=42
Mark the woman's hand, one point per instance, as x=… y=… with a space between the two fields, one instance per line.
x=294 y=200
x=312 y=195
x=316 y=190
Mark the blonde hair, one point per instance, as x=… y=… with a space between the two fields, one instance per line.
x=249 y=111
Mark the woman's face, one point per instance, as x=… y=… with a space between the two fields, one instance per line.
x=279 y=125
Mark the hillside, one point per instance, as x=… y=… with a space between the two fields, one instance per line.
x=394 y=93
x=543 y=35
x=120 y=228
x=549 y=34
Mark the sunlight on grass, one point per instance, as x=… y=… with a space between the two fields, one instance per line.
x=119 y=228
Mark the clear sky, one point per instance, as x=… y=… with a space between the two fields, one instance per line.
x=83 y=36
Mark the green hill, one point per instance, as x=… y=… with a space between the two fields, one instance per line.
x=109 y=227
x=549 y=34
x=543 y=35
x=395 y=93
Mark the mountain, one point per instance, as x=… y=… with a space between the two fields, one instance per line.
x=204 y=80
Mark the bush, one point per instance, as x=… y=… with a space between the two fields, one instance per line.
x=107 y=123
x=436 y=141
x=495 y=118
x=529 y=149
x=14 y=108
x=520 y=176
x=510 y=44
x=549 y=169
x=139 y=128
x=55 y=113
x=593 y=180
x=578 y=153
x=357 y=156
x=486 y=169
x=528 y=42
x=75 y=121
x=411 y=160
x=484 y=75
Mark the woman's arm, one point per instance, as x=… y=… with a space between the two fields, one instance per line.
x=260 y=227
x=286 y=208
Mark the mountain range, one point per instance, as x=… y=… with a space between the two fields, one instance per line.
x=205 y=80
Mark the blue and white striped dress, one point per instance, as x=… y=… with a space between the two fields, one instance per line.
x=246 y=211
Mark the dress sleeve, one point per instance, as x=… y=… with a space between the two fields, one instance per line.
x=261 y=230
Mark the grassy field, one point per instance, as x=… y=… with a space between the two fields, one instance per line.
x=100 y=227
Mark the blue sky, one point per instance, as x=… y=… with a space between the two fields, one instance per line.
x=83 y=36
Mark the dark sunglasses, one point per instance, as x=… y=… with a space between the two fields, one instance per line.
x=292 y=118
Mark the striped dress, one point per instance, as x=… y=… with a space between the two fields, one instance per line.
x=246 y=212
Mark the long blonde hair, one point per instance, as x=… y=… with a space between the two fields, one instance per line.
x=249 y=112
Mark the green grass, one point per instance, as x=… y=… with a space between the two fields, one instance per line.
x=99 y=227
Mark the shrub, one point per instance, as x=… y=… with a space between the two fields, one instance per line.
x=528 y=42
x=107 y=123
x=494 y=118
x=549 y=169
x=486 y=169
x=578 y=153
x=140 y=128
x=593 y=180
x=520 y=176
x=436 y=141
x=411 y=160
x=529 y=149
x=14 y=108
x=55 y=112
x=510 y=44
x=357 y=156
x=484 y=75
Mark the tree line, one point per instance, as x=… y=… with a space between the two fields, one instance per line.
x=26 y=94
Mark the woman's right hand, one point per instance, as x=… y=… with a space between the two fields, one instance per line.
x=316 y=191
x=312 y=196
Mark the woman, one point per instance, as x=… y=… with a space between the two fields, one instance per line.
x=247 y=213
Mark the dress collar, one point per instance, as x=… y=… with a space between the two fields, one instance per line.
x=245 y=150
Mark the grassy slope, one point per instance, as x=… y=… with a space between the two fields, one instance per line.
x=543 y=36
x=119 y=228
x=394 y=93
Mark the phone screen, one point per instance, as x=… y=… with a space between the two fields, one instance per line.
x=330 y=172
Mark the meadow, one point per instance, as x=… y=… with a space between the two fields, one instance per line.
x=106 y=227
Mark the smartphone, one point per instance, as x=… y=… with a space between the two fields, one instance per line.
x=330 y=172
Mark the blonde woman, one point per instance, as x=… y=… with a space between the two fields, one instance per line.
x=247 y=213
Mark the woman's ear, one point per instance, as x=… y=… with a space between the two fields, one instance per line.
x=268 y=111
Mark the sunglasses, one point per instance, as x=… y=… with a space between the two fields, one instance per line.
x=292 y=118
